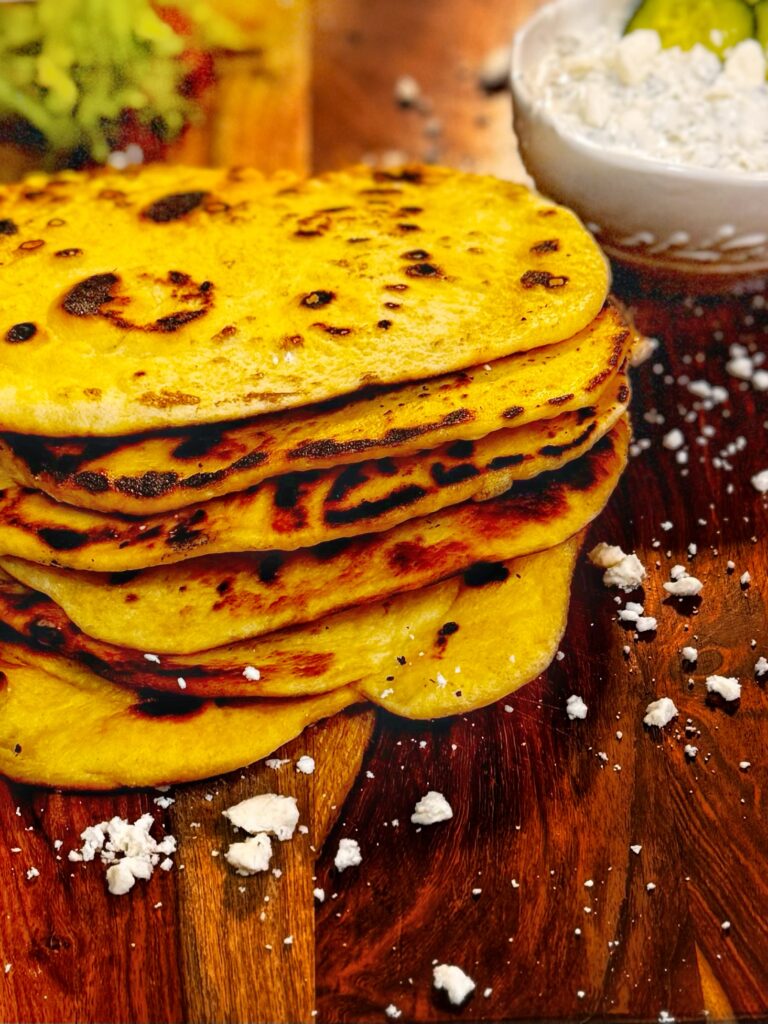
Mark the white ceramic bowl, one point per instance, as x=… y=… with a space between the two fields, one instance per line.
x=645 y=212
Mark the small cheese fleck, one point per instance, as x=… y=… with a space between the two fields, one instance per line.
x=760 y=481
x=453 y=981
x=690 y=751
x=393 y=1012
x=745 y=765
x=253 y=675
x=690 y=654
x=431 y=809
x=348 y=855
x=728 y=687
x=660 y=712
x=305 y=764
x=686 y=586
x=319 y=895
x=575 y=707
x=761 y=666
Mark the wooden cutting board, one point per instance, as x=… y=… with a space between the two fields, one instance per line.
x=542 y=805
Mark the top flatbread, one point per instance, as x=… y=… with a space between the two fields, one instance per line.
x=179 y=296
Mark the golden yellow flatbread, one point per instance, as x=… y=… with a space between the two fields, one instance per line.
x=153 y=473
x=365 y=643
x=301 y=510
x=177 y=296
x=213 y=601
x=63 y=726
x=488 y=647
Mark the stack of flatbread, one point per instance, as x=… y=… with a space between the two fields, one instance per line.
x=272 y=447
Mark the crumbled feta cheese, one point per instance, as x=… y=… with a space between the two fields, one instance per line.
x=626 y=574
x=319 y=895
x=690 y=654
x=646 y=624
x=685 y=107
x=728 y=687
x=393 y=1012
x=494 y=71
x=636 y=848
x=650 y=886
x=660 y=712
x=605 y=555
x=251 y=856
x=685 y=586
x=673 y=440
x=745 y=579
x=253 y=675
x=690 y=751
x=407 y=91
x=745 y=765
x=266 y=813
x=348 y=855
x=305 y=764
x=761 y=666
x=129 y=850
x=153 y=658
x=575 y=707
x=431 y=808
x=760 y=481
x=453 y=981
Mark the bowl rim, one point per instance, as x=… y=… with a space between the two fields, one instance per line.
x=622 y=159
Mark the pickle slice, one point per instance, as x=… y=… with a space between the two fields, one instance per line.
x=716 y=24
x=761 y=23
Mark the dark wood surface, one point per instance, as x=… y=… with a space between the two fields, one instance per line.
x=534 y=801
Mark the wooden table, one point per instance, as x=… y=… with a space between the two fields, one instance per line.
x=542 y=805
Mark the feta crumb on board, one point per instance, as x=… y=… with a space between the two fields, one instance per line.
x=728 y=687
x=660 y=712
x=305 y=764
x=760 y=481
x=128 y=849
x=453 y=981
x=393 y=1012
x=761 y=666
x=253 y=675
x=690 y=751
x=431 y=809
x=251 y=856
x=575 y=707
x=319 y=894
x=621 y=570
x=684 y=586
x=268 y=812
x=690 y=654
x=348 y=855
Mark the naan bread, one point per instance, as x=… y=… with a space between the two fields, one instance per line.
x=150 y=473
x=489 y=647
x=209 y=602
x=301 y=510
x=63 y=726
x=177 y=296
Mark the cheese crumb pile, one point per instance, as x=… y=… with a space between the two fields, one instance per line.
x=129 y=850
x=454 y=982
x=431 y=808
x=684 y=107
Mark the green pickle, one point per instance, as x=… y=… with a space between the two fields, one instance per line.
x=761 y=23
x=716 y=24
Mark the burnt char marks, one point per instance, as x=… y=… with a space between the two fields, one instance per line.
x=554 y=450
x=424 y=270
x=173 y=206
x=88 y=296
x=318 y=298
x=198 y=443
x=184 y=534
x=21 y=332
x=446 y=630
x=92 y=482
x=328 y=448
x=560 y=400
x=167 y=705
x=548 y=245
x=151 y=484
x=505 y=461
x=399 y=498
x=543 y=279
x=61 y=539
x=348 y=479
x=480 y=574
x=445 y=477
x=513 y=412
x=8 y=226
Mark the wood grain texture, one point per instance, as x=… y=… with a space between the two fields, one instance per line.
x=538 y=810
